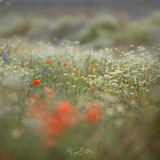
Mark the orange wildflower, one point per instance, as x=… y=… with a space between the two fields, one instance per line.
x=36 y=82
x=70 y=69
x=48 y=61
x=150 y=97
x=64 y=108
x=35 y=95
x=46 y=89
x=94 y=114
x=56 y=122
x=17 y=49
x=50 y=91
x=27 y=95
x=34 y=98
x=52 y=95
x=74 y=70
x=93 y=88
x=136 y=96
x=64 y=64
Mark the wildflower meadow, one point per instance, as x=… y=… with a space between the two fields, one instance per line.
x=69 y=101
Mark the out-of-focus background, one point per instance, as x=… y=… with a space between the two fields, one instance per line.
x=99 y=22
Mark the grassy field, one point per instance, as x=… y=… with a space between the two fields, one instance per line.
x=88 y=100
x=103 y=104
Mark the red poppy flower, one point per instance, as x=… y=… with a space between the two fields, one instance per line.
x=36 y=82
x=136 y=96
x=64 y=64
x=27 y=95
x=46 y=89
x=52 y=95
x=24 y=65
x=48 y=61
x=56 y=122
x=64 y=108
x=94 y=114
x=74 y=70
x=93 y=88
x=49 y=90
x=70 y=69
x=33 y=100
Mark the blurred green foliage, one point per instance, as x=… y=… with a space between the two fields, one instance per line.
x=102 y=29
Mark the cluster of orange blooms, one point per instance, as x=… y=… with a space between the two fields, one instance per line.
x=54 y=122
x=50 y=91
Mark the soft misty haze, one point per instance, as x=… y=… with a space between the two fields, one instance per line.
x=135 y=8
x=99 y=22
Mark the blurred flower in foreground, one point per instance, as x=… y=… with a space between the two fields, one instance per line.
x=34 y=98
x=94 y=114
x=93 y=88
x=150 y=97
x=17 y=49
x=4 y=156
x=48 y=61
x=64 y=108
x=27 y=94
x=136 y=96
x=36 y=82
x=50 y=91
x=70 y=69
x=64 y=64
x=54 y=122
